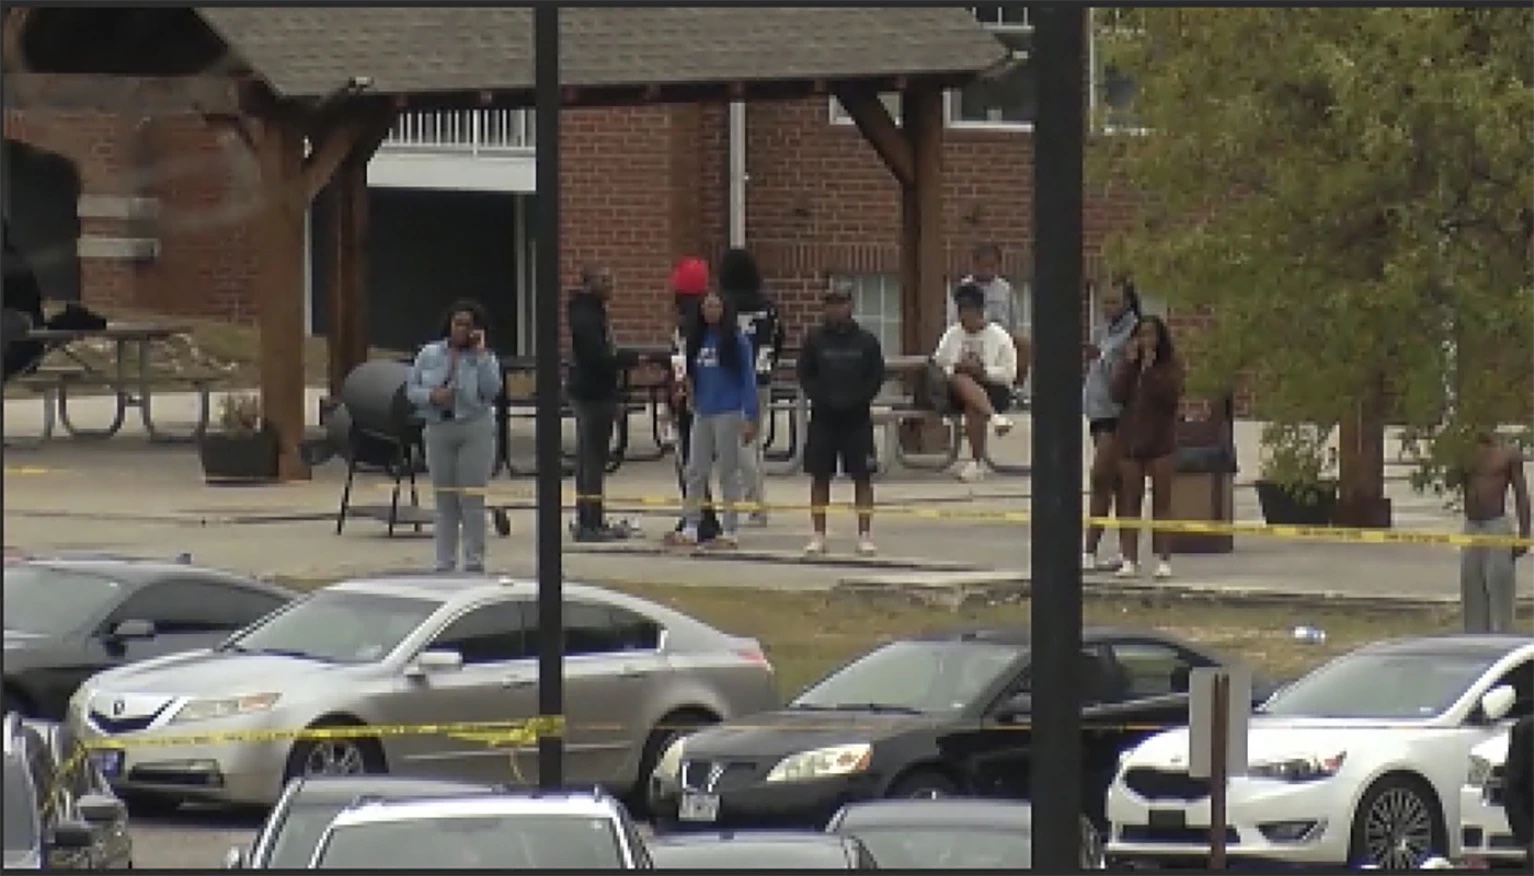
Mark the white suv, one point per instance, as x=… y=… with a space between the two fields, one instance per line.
x=1486 y=839
x=561 y=830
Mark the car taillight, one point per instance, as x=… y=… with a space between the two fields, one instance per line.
x=755 y=655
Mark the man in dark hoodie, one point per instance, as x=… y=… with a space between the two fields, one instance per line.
x=740 y=281
x=841 y=370
x=594 y=387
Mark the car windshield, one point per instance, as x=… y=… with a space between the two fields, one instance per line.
x=498 y=842
x=1389 y=685
x=930 y=677
x=956 y=848
x=20 y=814
x=39 y=599
x=727 y=855
x=299 y=833
x=337 y=626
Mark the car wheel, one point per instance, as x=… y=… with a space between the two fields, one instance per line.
x=333 y=757
x=923 y=784
x=671 y=727
x=1397 y=825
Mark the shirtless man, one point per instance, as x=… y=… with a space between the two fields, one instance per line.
x=1487 y=580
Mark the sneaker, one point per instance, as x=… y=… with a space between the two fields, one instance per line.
x=682 y=538
x=1128 y=569
x=1111 y=564
x=866 y=546
x=816 y=547
x=1163 y=570
x=971 y=472
x=1001 y=424
x=1089 y=562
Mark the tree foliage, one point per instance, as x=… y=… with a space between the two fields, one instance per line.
x=1350 y=193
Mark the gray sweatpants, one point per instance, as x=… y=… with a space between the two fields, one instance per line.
x=715 y=445
x=1487 y=580
x=752 y=473
x=460 y=454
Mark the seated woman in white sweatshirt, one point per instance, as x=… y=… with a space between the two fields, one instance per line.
x=981 y=362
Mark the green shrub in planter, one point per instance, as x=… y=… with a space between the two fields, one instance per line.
x=244 y=449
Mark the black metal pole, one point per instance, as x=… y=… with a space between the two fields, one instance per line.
x=1058 y=142
x=551 y=641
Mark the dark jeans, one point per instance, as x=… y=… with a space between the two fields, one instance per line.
x=593 y=441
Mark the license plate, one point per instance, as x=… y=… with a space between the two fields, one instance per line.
x=1168 y=818
x=698 y=807
x=109 y=761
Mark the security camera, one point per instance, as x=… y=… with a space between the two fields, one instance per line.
x=359 y=83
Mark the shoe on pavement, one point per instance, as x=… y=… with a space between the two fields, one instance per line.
x=595 y=535
x=685 y=538
x=971 y=472
x=816 y=547
x=1163 y=570
x=1001 y=424
x=1128 y=569
x=866 y=546
x=1111 y=564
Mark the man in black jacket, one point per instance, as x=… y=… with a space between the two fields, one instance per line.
x=594 y=387
x=841 y=370
x=1518 y=785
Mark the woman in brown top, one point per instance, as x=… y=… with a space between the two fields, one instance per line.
x=1148 y=382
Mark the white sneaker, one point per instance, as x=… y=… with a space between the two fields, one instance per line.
x=1163 y=570
x=866 y=546
x=1001 y=424
x=1127 y=569
x=971 y=472
x=1089 y=562
x=816 y=547
x=1111 y=564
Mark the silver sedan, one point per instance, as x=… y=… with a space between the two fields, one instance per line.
x=386 y=652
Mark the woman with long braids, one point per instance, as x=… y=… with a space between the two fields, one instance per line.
x=721 y=383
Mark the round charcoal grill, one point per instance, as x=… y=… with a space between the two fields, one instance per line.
x=374 y=396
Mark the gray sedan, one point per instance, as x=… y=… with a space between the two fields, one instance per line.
x=385 y=652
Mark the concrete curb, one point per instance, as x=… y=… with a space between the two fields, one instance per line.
x=785 y=558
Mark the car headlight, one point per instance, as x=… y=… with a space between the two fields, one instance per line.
x=837 y=760
x=1299 y=769
x=226 y=707
x=670 y=762
x=1479 y=772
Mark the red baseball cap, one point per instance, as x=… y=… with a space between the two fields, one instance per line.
x=690 y=277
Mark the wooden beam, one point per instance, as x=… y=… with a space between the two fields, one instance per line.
x=879 y=129
x=13 y=57
x=125 y=95
x=923 y=292
x=279 y=286
x=348 y=340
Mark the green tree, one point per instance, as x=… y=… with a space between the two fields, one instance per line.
x=1348 y=193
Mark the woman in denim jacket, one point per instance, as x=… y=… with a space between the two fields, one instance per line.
x=453 y=384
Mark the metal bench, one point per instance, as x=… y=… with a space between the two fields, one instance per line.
x=123 y=390
x=45 y=382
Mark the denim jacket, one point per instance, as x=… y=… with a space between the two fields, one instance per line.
x=475 y=382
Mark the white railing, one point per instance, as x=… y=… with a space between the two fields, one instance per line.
x=463 y=132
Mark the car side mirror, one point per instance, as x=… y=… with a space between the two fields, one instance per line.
x=234 y=859
x=101 y=809
x=1017 y=708
x=132 y=629
x=430 y=662
x=71 y=836
x=1497 y=702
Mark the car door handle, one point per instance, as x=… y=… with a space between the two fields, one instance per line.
x=518 y=682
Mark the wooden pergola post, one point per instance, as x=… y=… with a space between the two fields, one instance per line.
x=347 y=240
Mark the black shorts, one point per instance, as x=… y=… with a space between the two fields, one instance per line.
x=845 y=443
x=1000 y=396
x=1105 y=426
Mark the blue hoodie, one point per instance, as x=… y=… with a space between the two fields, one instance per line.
x=717 y=389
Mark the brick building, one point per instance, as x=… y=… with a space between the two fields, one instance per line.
x=165 y=204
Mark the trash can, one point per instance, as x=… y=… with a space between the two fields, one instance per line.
x=1203 y=486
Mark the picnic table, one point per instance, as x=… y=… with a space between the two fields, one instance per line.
x=130 y=380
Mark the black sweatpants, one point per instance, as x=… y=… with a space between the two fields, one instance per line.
x=593 y=441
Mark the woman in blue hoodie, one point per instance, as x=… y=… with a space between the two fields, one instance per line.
x=721 y=382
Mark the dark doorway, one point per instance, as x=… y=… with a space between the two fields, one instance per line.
x=42 y=214
x=426 y=248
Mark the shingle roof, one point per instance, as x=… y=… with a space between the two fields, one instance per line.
x=312 y=52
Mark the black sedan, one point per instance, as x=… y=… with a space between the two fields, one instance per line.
x=59 y=812
x=67 y=619
x=932 y=716
x=760 y=850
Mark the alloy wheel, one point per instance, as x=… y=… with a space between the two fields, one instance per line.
x=1398 y=829
x=338 y=757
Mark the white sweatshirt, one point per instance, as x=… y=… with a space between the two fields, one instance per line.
x=992 y=344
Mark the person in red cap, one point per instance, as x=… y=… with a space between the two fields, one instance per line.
x=689 y=284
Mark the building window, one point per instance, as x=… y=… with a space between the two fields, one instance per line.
x=875 y=305
x=890 y=99
x=1009 y=98
x=1113 y=89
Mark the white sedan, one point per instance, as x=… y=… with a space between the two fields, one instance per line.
x=1358 y=763
x=1485 y=838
